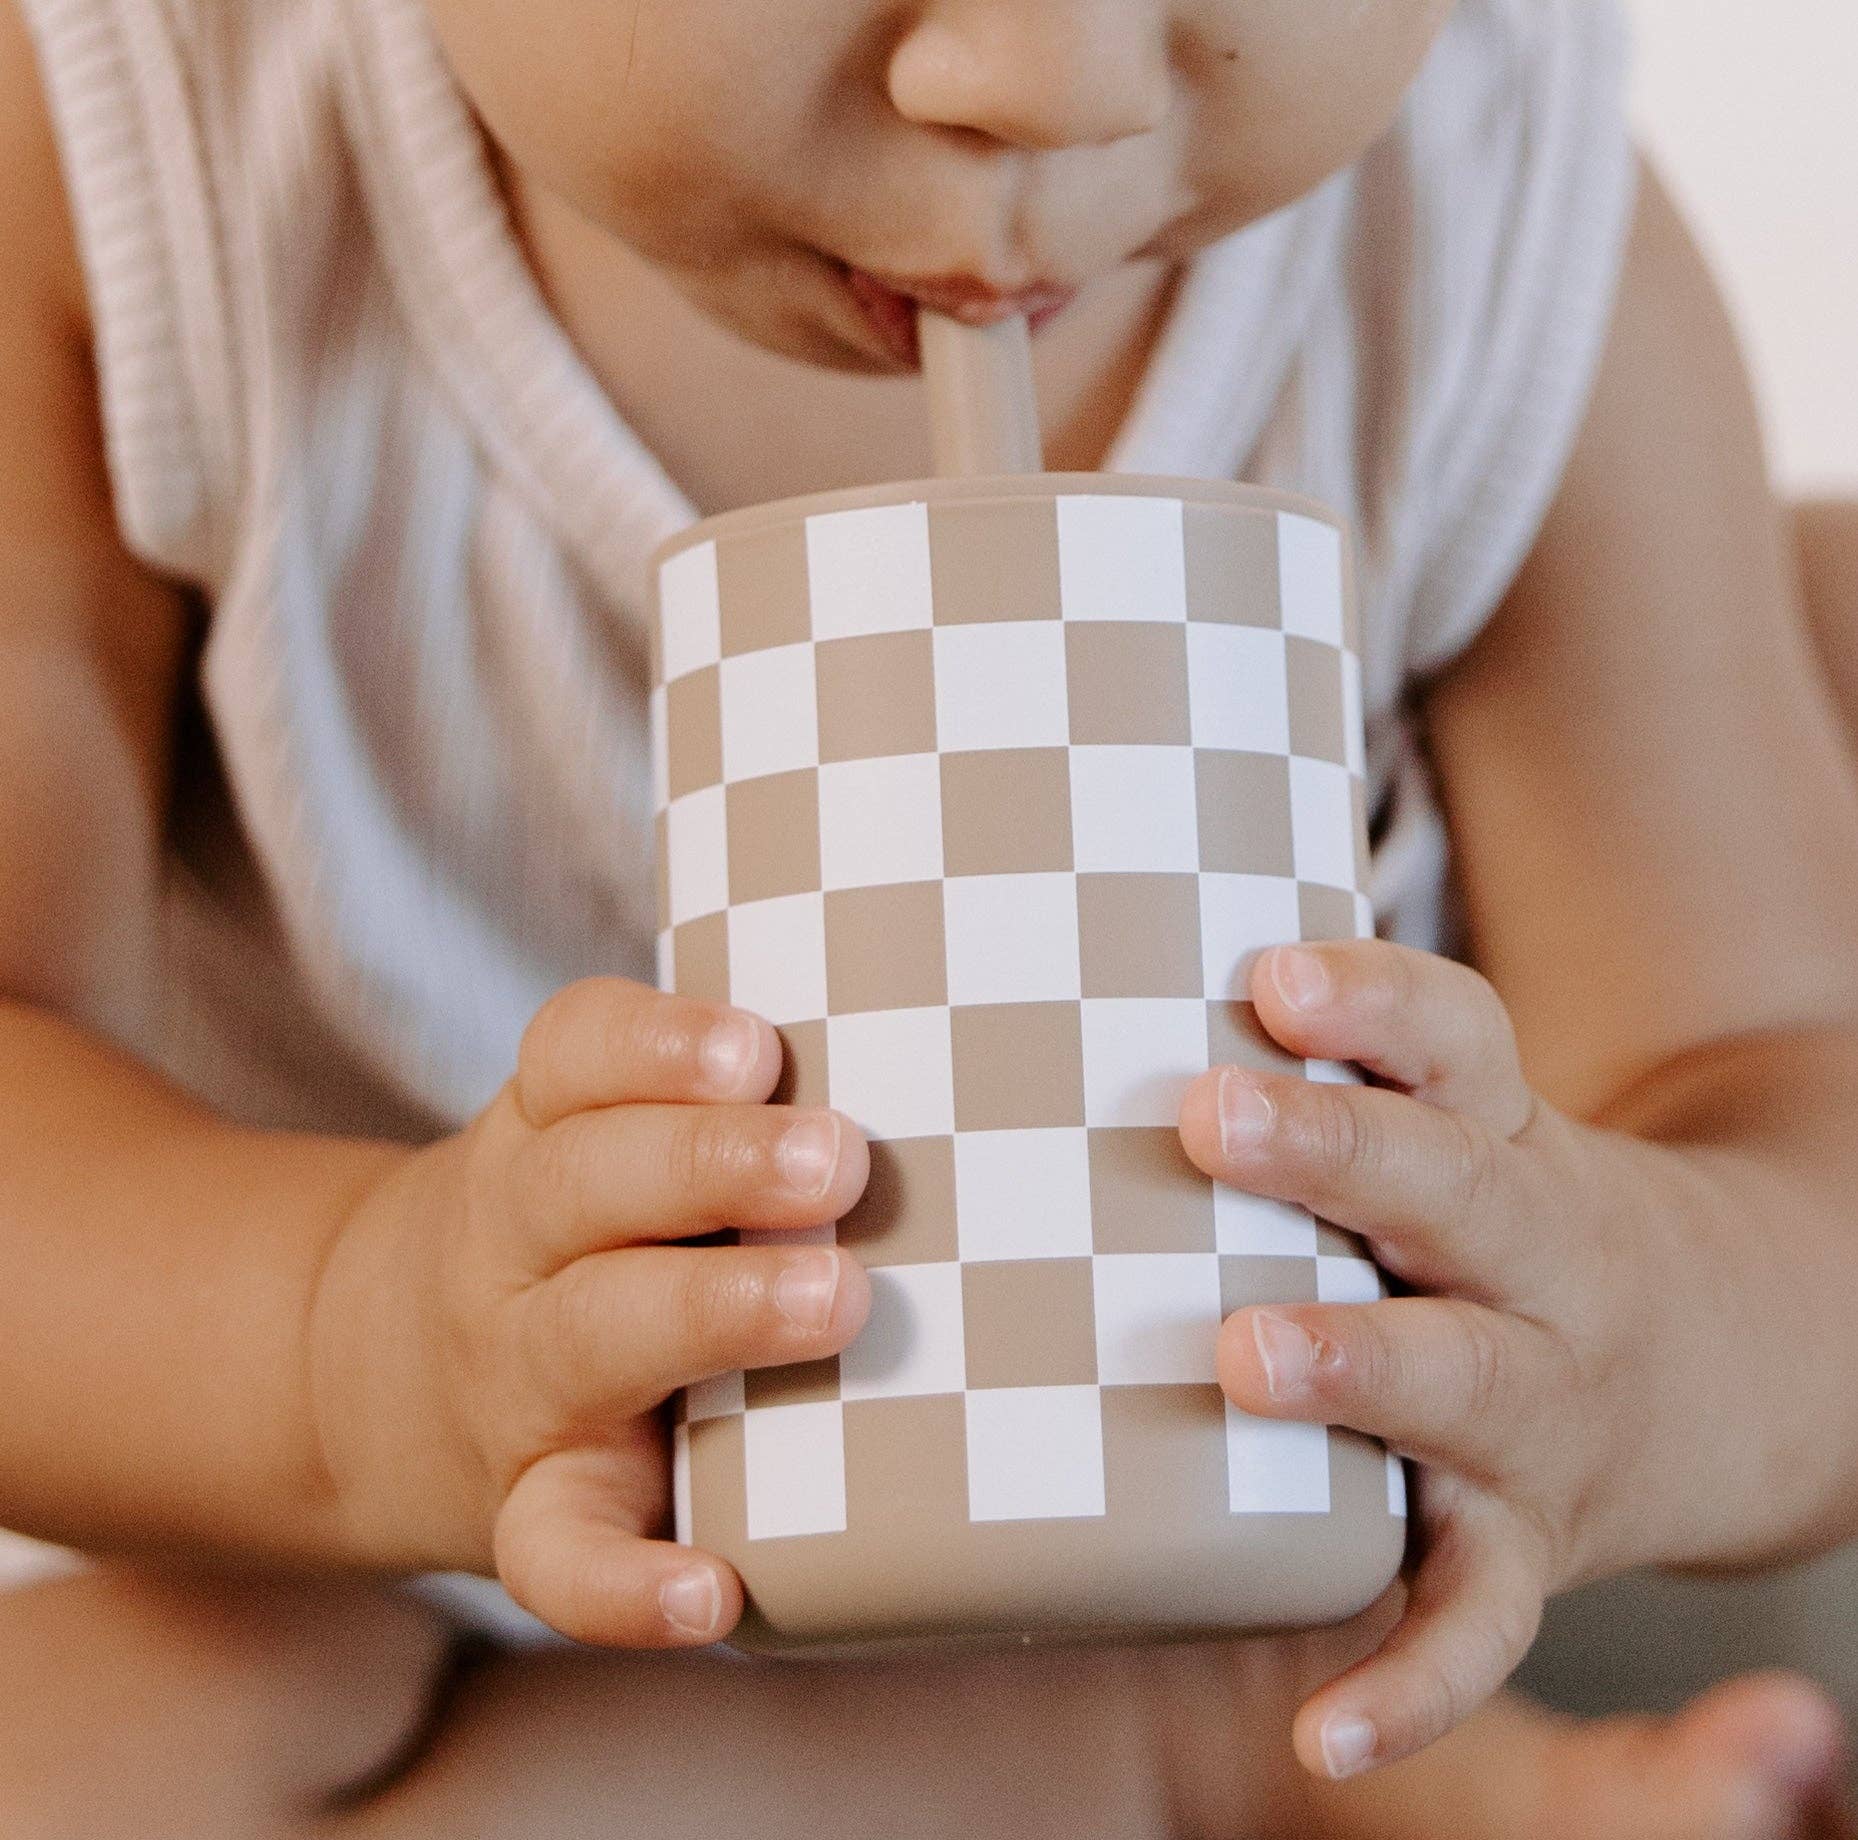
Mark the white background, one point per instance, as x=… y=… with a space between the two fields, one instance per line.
x=1751 y=108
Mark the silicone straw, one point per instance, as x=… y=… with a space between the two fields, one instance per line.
x=983 y=404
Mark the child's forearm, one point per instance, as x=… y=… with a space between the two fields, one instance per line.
x=1767 y=1468
x=157 y=1270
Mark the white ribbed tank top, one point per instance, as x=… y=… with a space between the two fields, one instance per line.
x=337 y=406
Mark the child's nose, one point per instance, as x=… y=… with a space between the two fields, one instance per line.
x=1038 y=74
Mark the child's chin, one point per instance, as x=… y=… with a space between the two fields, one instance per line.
x=808 y=321
x=826 y=348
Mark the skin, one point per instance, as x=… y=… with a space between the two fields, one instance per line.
x=1828 y=559
x=349 y=1355
x=169 y=1708
x=910 y=140
x=1670 y=1150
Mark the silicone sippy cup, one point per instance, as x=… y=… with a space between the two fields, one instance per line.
x=987 y=791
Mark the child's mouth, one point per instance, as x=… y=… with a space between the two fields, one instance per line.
x=890 y=306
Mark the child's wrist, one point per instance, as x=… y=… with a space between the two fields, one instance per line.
x=1731 y=1474
x=386 y=1445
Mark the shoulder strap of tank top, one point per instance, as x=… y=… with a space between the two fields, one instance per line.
x=130 y=88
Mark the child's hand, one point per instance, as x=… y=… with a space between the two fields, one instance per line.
x=1526 y=1379
x=501 y=1320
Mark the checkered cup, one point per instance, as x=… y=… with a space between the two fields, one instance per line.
x=987 y=793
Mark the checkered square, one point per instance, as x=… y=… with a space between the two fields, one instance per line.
x=990 y=806
x=692 y=726
x=1012 y=939
x=1242 y=916
x=771 y=825
x=869 y=571
x=999 y=686
x=690 y=613
x=1024 y=1194
x=696 y=855
x=814 y=1383
x=879 y=821
x=1139 y=936
x=1127 y=685
x=1030 y=1322
x=1122 y=559
x=995 y=561
x=1018 y=1067
x=769 y=713
x=1158 y=1317
x=912 y=1344
x=1133 y=811
x=777 y=957
x=891 y=1072
x=1310 y=579
x=794 y=1456
x=761 y=582
x=1239 y=688
x=909 y=1209
x=876 y=696
x=1140 y=1057
x=1147 y=1198
x=1007 y=813
x=1249 y=1226
x=883 y=948
x=1035 y=1453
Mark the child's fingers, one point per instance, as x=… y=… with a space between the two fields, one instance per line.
x=609 y=1178
x=1413 y=1019
x=1472 y=1612
x=1448 y=1383
x=1437 y=1193
x=618 y=1333
x=568 y=1550
x=609 y=1042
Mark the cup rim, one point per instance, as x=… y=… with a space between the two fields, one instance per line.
x=1001 y=488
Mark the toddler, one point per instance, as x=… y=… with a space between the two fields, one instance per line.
x=360 y=1198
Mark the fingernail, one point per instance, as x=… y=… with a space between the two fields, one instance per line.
x=1301 y=977
x=729 y=1054
x=809 y=1155
x=1246 y=1115
x=806 y=1291
x=1288 y=1354
x=1348 y=1746
x=692 y=1601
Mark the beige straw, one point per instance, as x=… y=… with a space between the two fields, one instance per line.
x=983 y=404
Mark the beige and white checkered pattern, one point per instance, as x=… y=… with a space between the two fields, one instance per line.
x=989 y=805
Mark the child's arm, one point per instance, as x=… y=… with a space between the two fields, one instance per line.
x=104 y=1250
x=216 y=1340
x=1638 y=1346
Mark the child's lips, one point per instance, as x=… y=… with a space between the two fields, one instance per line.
x=890 y=306
x=892 y=316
